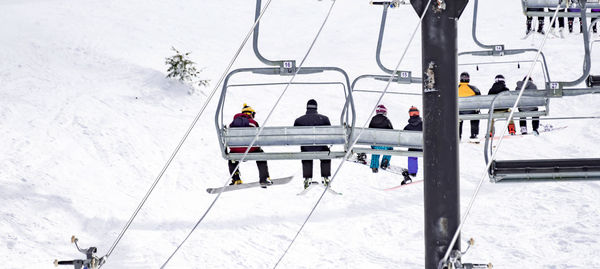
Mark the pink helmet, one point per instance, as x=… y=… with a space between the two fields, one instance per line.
x=381 y=110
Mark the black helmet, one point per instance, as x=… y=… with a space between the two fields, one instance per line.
x=464 y=77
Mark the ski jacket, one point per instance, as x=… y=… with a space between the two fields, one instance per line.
x=415 y=123
x=312 y=118
x=497 y=88
x=530 y=86
x=239 y=118
x=465 y=89
x=380 y=121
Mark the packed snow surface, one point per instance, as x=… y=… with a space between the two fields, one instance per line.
x=88 y=120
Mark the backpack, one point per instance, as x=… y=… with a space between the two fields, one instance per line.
x=240 y=122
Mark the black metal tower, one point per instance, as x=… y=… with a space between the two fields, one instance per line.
x=440 y=128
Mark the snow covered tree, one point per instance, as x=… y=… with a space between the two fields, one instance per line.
x=184 y=70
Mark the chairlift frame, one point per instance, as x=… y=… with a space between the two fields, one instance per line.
x=386 y=137
x=564 y=5
x=540 y=169
x=401 y=77
x=285 y=136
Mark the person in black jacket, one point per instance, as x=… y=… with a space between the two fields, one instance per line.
x=380 y=121
x=498 y=87
x=535 y=120
x=313 y=118
x=415 y=123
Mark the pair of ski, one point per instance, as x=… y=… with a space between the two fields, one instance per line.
x=552 y=34
x=276 y=181
x=314 y=184
x=542 y=129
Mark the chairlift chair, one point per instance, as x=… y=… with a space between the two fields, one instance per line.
x=552 y=4
x=385 y=137
x=285 y=135
x=540 y=169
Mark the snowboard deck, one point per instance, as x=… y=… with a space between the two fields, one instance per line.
x=276 y=181
x=400 y=186
x=391 y=169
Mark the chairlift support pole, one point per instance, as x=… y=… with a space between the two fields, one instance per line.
x=440 y=133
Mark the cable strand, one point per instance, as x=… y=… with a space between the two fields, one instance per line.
x=484 y=174
x=352 y=145
x=255 y=137
x=184 y=138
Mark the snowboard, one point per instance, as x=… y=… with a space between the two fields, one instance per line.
x=276 y=181
x=400 y=186
x=391 y=169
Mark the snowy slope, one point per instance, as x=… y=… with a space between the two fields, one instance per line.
x=87 y=121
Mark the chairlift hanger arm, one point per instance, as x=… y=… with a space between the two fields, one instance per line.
x=474 y=28
x=255 y=38
x=403 y=76
x=587 y=63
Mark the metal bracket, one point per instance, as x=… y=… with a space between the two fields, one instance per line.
x=91 y=262
x=287 y=67
x=556 y=88
x=404 y=77
x=498 y=50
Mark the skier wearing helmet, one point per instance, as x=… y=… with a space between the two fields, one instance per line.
x=240 y=120
x=415 y=123
x=380 y=121
x=464 y=90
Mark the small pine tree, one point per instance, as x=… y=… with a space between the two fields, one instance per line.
x=184 y=69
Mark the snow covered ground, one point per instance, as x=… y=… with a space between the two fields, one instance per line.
x=87 y=121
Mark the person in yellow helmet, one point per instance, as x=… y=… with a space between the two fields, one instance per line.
x=246 y=119
x=464 y=90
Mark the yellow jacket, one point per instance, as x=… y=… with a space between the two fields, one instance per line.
x=464 y=90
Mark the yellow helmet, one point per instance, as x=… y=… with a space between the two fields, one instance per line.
x=248 y=109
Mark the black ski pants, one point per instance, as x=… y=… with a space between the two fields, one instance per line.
x=561 y=20
x=263 y=168
x=571 y=20
x=307 y=166
x=474 y=124
x=595 y=27
x=540 y=19
x=535 y=122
